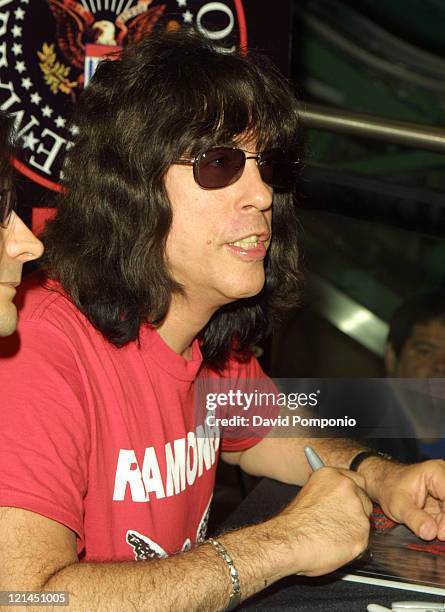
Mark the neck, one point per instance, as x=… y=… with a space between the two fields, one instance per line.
x=183 y=323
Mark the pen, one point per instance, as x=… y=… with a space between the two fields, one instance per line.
x=377 y=608
x=417 y=606
x=313 y=459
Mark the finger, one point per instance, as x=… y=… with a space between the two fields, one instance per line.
x=433 y=506
x=419 y=521
x=428 y=529
x=357 y=478
x=359 y=490
x=366 y=502
x=436 y=502
x=440 y=520
x=433 y=474
x=426 y=526
x=359 y=481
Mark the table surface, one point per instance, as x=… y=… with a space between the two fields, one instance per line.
x=326 y=594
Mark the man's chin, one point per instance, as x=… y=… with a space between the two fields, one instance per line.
x=247 y=292
x=8 y=319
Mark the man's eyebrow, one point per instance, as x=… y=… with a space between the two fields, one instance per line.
x=428 y=343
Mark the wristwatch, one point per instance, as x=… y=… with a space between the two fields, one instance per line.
x=364 y=454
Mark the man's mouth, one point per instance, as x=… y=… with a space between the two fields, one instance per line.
x=250 y=242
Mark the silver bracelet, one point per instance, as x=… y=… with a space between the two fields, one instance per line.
x=235 y=596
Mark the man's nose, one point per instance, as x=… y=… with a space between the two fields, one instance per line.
x=257 y=193
x=439 y=365
x=20 y=241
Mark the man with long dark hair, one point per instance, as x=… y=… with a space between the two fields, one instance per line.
x=17 y=244
x=163 y=266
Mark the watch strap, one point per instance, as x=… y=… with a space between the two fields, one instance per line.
x=364 y=454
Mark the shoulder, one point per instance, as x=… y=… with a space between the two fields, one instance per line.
x=40 y=299
x=45 y=355
x=44 y=307
x=49 y=324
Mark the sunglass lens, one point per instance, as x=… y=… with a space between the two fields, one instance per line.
x=279 y=168
x=219 y=167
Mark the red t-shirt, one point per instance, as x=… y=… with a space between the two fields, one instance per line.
x=104 y=439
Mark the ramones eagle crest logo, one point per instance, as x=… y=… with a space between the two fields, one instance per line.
x=44 y=48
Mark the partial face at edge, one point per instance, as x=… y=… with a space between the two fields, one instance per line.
x=17 y=246
x=422 y=355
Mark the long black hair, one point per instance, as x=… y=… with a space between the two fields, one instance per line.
x=171 y=95
x=7 y=194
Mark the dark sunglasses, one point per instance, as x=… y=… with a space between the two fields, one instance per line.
x=221 y=166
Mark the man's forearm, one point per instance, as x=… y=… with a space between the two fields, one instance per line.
x=195 y=580
x=283 y=458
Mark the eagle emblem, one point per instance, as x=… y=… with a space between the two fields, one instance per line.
x=77 y=26
x=51 y=48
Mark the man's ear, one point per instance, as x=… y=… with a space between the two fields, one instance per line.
x=390 y=360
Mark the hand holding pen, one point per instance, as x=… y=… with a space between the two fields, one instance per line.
x=328 y=520
x=316 y=463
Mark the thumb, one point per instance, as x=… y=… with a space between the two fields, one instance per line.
x=419 y=521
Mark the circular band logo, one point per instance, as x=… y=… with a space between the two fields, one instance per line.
x=49 y=49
